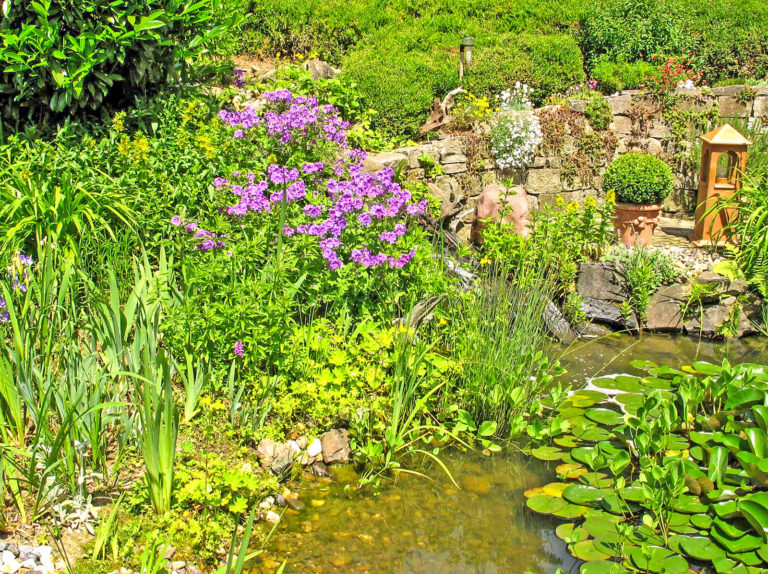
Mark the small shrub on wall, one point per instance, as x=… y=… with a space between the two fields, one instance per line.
x=59 y=56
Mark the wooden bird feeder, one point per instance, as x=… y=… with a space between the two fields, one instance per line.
x=723 y=161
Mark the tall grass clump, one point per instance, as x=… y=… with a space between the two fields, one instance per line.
x=501 y=343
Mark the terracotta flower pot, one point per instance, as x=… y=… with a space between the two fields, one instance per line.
x=635 y=223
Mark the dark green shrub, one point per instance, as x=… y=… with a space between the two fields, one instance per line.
x=638 y=178
x=631 y=30
x=615 y=76
x=550 y=64
x=61 y=56
x=598 y=113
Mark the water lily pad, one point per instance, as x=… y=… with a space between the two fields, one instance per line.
x=746 y=543
x=586 y=398
x=547 y=453
x=567 y=441
x=555 y=489
x=586 y=550
x=658 y=559
x=602 y=529
x=681 y=523
x=570 y=511
x=604 y=416
x=697 y=547
x=633 y=494
x=602 y=567
x=631 y=402
x=569 y=533
x=621 y=383
x=595 y=434
x=544 y=504
x=584 y=495
x=689 y=505
x=725 y=510
x=701 y=521
x=735 y=528
x=571 y=470
x=613 y=504
x=748 y=558
x=597 y=479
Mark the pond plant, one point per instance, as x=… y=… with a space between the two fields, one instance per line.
x=662 y=472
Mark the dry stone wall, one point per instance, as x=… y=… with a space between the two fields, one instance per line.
x=572 y=158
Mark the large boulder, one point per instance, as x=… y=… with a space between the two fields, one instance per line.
x=335 y=446
x=606 y=313
x=320 y=70
x=665 y=310
x=600 y=281
x=496 y=201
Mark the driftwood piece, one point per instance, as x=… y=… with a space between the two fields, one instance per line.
x=440 y=113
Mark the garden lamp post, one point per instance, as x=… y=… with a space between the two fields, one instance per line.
x=465 y=54
x=723 y=161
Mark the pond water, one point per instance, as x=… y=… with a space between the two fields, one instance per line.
x=422 y=526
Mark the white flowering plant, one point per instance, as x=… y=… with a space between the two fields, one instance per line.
x=515 y=130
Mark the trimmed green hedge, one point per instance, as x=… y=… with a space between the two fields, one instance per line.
x=638 y=178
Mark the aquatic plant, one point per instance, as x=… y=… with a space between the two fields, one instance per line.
x=663 y=472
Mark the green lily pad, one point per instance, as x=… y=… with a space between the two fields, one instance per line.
x=604 y=416
x=597 y=479
x=570 y=511
x=587 y=550
x=725 y=510
x=602 y=529
x=586 y=398
x=633 y=494
x=547 y=453
x=748 y=558
x=681 y=523
x=701 y=521
x=595 y=434
x=566 y=440
x=544 y=504
x=584 y=495
x=613 y=504
x=602 y=567
x=658 y=559
x=631 y=402
x=569 y=533
x=620 y=383
x=689 y=505
x=735 y=528
x=746 y=543
x=697 y=547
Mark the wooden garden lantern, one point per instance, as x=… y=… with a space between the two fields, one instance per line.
x=723 y=161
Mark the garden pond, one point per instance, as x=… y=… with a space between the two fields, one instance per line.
x=419 y=525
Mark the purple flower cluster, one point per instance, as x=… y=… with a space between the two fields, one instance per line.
x=207 y=240
x=353 y=215
x=17 y=273
x=238 y=79
x=239 y=348
x=296 y=117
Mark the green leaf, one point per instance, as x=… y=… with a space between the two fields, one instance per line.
x=547 y=453
x=757 y=516
x=718 y=464
x=584 y=495
x=488 y=428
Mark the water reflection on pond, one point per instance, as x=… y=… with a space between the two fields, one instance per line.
x=421 y=526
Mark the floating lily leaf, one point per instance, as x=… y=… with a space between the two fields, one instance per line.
x=689 y=505
x=566 y=440
x=571 y=470
x=597 y=479
x=547 y=453
x=643 y=365
x=735 y=528
x=706 y=368
x=602 y=529
x=631 y=402
x=701 y=521
x=602 y=567
x=657 y=383
x=697 y=547
x=586 y=550
x=555 y=489
x=748 y=558
x=633 y=494
x=720 y=495
x=746 y=543
x=613 y=504
x=726 y=510
x=658 y=559
x=544 y=504
x=756 y=514
x=595 y=434
x=681 y=523
x=585 y=454
x=571 y=412
x=569 y=533
x=531 y=492
x=623 y=384
x=586 y=398
x=584 y=495
x=570 y=511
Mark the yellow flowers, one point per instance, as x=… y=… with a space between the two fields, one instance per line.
x=136 y=150
x=590 y=202
x=485 y=261
x=118 y=125
x=572 y=207
x=559 y=201
x=610 y=196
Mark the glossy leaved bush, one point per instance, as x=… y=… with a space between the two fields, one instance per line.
x=638 y=178
x=662 y=472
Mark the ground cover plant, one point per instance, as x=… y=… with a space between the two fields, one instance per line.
x=660 y=472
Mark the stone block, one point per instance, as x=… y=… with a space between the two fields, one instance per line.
x=727 y=90
x=660 y=129
x=578 y=105
x=620 y=104
x=453 y=158
x=622 y=125
x=665 y=308
x=454 y=168
x=760 y=107
x=545 y=180
x=389 y=159
x=730 y=107
x=600 y=281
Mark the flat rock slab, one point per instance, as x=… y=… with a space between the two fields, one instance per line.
x=600 y=281
x=665 y=308
x=606 y=313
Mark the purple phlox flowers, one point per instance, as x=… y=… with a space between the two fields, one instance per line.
x=239 y=348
